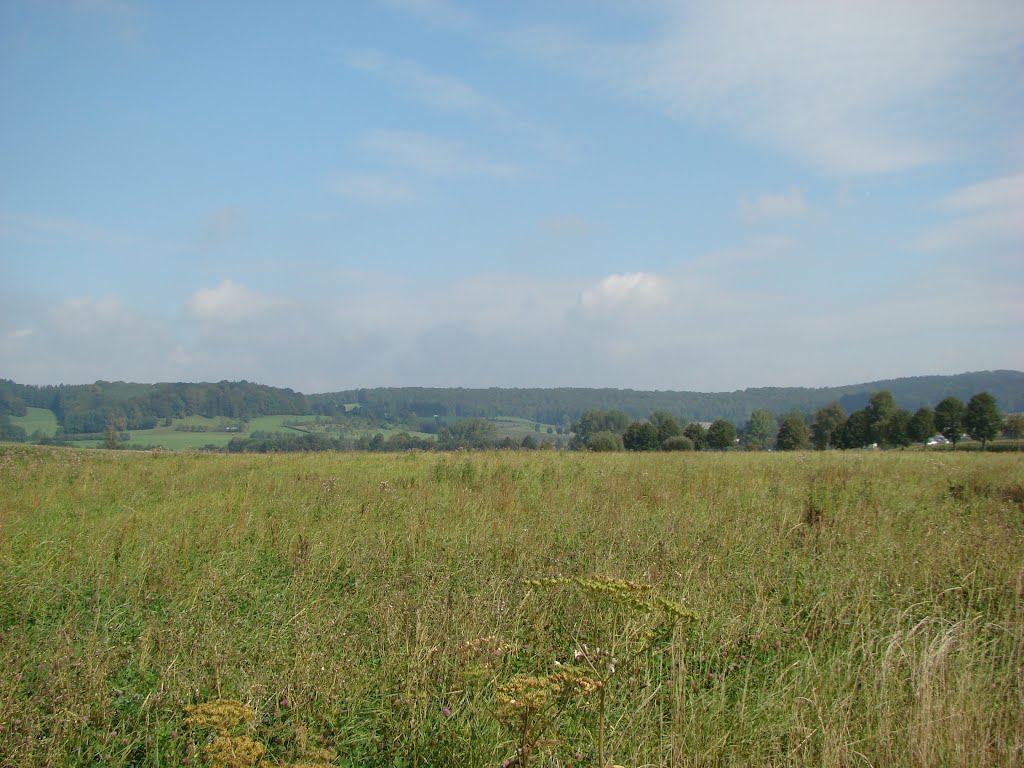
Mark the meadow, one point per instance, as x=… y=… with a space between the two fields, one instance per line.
x=562 y=609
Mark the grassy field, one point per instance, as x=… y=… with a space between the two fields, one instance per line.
x=464 y=610
x=37 y=419
x=517 y=429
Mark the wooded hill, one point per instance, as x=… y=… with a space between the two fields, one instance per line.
x=92 y=407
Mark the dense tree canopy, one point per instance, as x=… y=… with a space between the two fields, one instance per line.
x=793 y=434
x=721 y=435
x=827 y=423
x=667 y=425
x=472 y=434
x=696 y=433
x=641 y=436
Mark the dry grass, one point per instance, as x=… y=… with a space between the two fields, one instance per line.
x=853 y=610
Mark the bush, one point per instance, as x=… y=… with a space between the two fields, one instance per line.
x=678 y=443
x=605 y=441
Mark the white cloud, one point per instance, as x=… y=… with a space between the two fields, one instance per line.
x=984 y=214
x=440 y=91
x=785 y=204
x=432 y=156
x=851 y=87
x=372 y=188
x=744 y=316
x=634 y=290
x=229 y=303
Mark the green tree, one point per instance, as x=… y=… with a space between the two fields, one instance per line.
x=983 y=419
x=896 y=429
x=641 y=436
x=468 y=433
x=855 y=432
x=760 y=429
x=793 y=434
x=721 y=435
x=594 y=421
x=922 y=425
x=881 y=409
x=827 y=423
x=949 y=419
x=697 y=434
x=666 y=424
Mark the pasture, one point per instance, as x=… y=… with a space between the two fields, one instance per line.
x=465 y=609
x=39 y=420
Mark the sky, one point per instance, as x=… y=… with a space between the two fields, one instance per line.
x=705 y=196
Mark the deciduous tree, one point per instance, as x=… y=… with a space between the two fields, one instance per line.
x=922 y=425
x=641 y=436
x=697 y=434
x=760 y=429
x=666 y=424
x=949 y=419
x=827 y=423
x=721 y=435
x=983 y=419
x=793 y=434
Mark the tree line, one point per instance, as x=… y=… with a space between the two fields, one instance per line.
x=880 y=423
x=92 y=408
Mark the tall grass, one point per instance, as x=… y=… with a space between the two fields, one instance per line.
x=853 y=609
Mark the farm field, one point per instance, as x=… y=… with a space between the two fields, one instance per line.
x=39 y=420
x=424 y=609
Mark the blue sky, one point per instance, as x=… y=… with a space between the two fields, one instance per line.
x=634 y=193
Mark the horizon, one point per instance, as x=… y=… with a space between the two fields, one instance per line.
x=690 y=197
x=632 y=389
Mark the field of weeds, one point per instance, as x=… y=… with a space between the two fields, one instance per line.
x=554 y=609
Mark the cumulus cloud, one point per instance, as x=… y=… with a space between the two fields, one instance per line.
x=229 y=303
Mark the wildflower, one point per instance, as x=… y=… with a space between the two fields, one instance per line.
x=446 y=712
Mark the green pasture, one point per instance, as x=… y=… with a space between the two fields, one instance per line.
x=277 y=423
x=39 y=420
